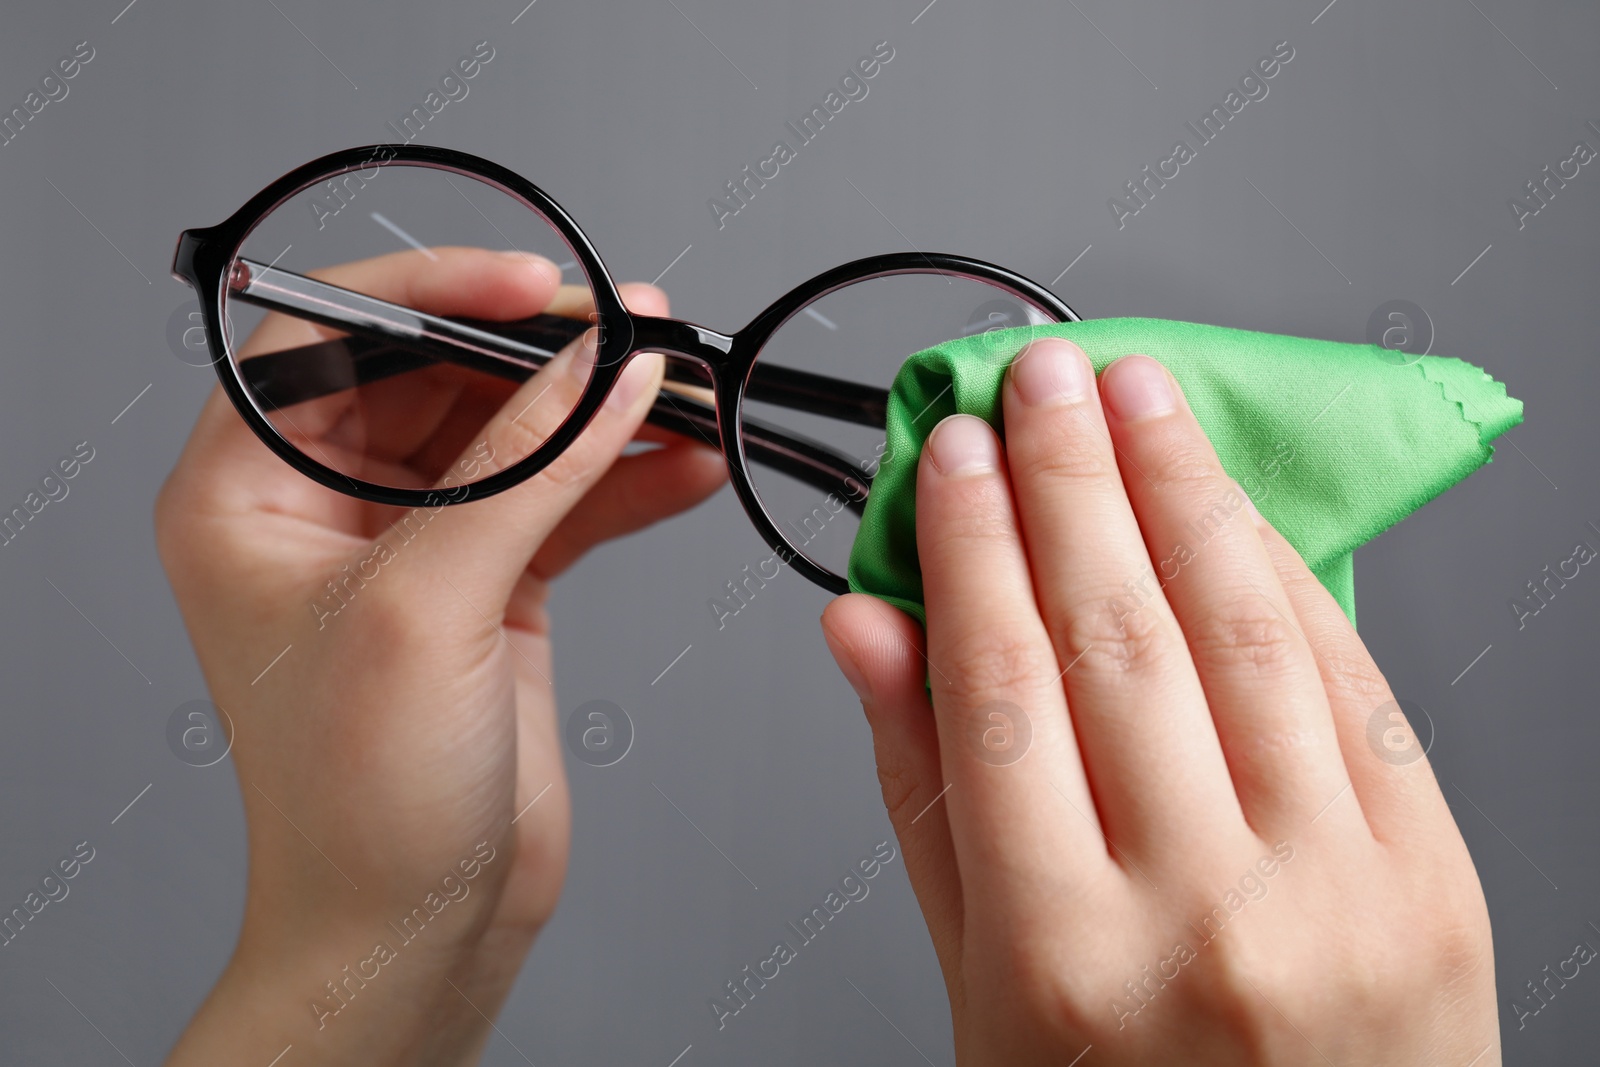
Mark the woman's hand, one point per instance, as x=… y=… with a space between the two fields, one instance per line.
x=395 y=736
x=1142 y=814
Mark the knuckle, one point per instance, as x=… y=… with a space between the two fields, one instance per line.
x=1065 y=457
x=972 y=518
x=1247 y=633
x=1188 y=469
x=1461 y=957
x=978 y=526
x=901 y=791
x=196 y=553
x=1297 y=580
x=516 y=438
x=1057 y=999
x=574 y=467
x=1236 y=978
x=977 y=669
x=1452 y=929
x=1353 y=679
x=1113 y=635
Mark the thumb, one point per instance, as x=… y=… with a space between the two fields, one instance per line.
x=482 y=547
x=880 y=650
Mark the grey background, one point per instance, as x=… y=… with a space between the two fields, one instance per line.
x=1392 y=141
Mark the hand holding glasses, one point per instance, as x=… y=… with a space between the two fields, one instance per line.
x=376 y=394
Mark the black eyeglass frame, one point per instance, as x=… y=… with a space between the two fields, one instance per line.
x=204 y=257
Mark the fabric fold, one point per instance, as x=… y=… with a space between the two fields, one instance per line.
x=1334 y=442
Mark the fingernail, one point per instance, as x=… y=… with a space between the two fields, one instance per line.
x=847 y=666
x=636 y=378
x=1051 y=371
x=963 y=444
x=1137 y=387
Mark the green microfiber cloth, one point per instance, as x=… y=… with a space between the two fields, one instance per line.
x=1334 y=442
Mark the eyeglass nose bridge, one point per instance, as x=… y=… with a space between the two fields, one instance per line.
x=701 y=362
x=675 y=337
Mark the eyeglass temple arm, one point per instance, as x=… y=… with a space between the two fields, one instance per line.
x=801 y=458
x=522 y=345
x=392 y=340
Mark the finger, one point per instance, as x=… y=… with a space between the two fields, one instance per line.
x=1393 y=785
x=529 y=416
x=473 y=282
x=470 y=282
x=1150 y=750
x=489 y=543
x=879 y=649
x=995 y=684
x=1266 y=697
x=425 y=411
x=637 y=491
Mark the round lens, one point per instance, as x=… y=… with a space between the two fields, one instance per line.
x=409 y=326
x=813 y=445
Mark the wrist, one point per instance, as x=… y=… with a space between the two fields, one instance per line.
x=380 y=975
x=349 y=998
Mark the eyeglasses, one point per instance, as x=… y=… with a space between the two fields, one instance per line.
x=358 y=326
